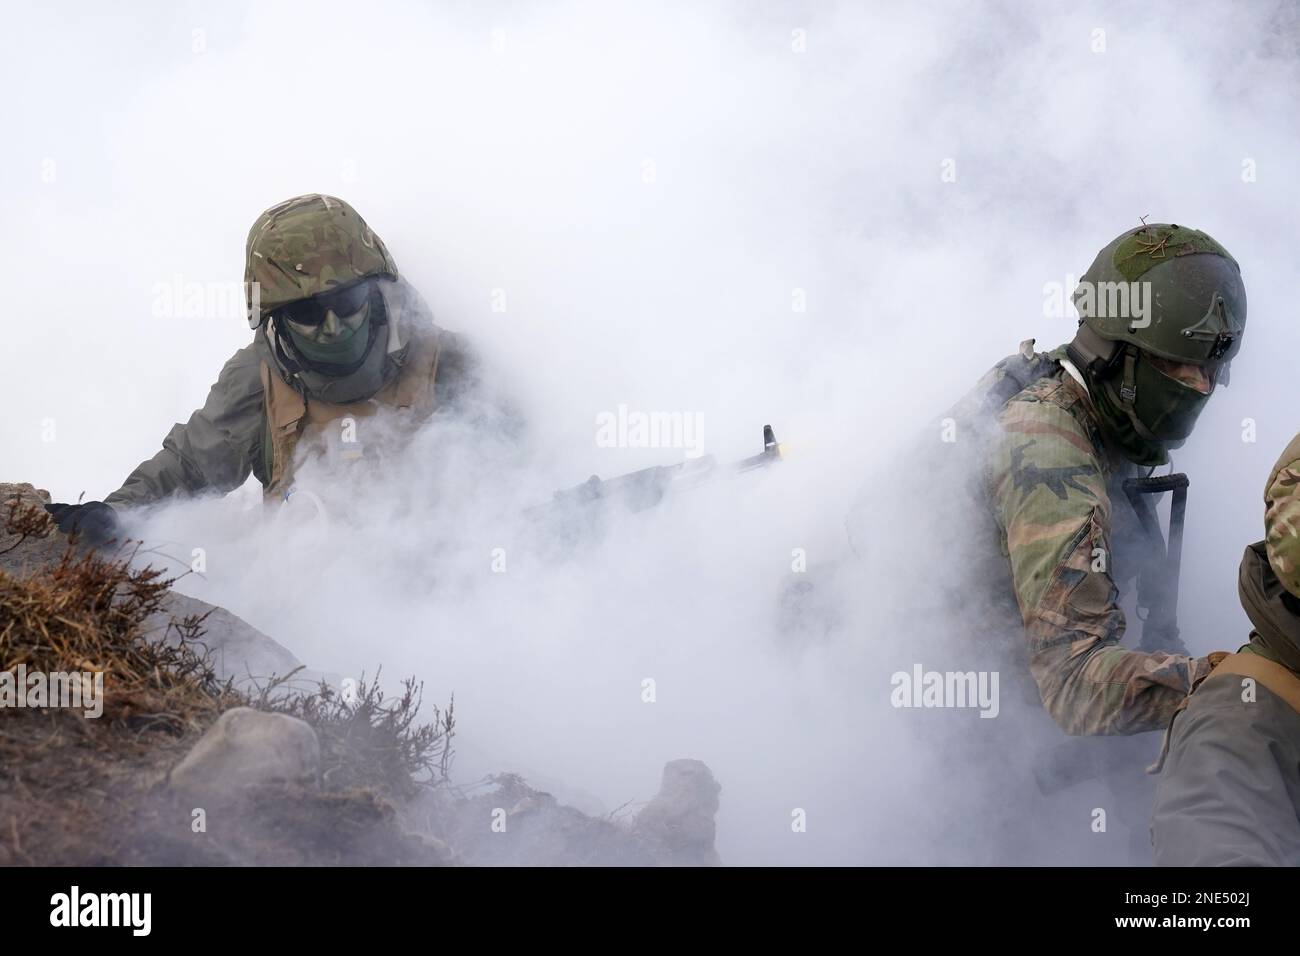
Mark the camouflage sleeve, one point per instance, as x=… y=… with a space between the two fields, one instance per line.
x=1049 y=497
x=1282 y=517
x=214 y=450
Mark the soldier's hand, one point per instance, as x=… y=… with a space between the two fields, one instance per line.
x=94 y=522
x=1203 y=667
x=1162 y=640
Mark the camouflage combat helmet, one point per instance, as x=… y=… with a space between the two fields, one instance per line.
x=1282 y=518
x=1156 y=297
x=306 y=246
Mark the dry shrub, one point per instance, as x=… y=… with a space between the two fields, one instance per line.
x=372 y=741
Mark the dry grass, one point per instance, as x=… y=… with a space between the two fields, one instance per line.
x=372 y=741
x=87 y=613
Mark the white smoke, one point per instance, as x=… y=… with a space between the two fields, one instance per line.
x=832 y=219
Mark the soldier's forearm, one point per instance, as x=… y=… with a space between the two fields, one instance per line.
x=1092 y=687
x=160 y=477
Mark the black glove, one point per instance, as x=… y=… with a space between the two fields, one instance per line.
x=94 y=522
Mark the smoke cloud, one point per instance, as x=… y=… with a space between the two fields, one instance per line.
x=832 y=218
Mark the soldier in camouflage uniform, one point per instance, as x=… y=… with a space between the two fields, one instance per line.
x=1229 y=790
x=1046 y=543
x=1018 y=524
x=1060 y=431
x=339 y=335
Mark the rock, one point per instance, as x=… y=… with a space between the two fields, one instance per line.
x=25 y=493
x=563 y=792
x=15 y=556
x=515 y=825
x=247 y=747
x=440 y=853
x=678 y=824
x=237 y=650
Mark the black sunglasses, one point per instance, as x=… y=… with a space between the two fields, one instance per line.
x=343 y=302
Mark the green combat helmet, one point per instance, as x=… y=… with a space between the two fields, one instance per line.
x=1162 y=311
x=307 y=246
x=1282 y=518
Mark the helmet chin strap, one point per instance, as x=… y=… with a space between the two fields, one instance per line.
x=1128 y=383
x=1127 y=393
x=1099 y=357
x=1130 y=413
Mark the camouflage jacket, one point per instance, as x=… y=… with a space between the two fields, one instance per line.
x=228 y=438
x=1282 y=517
x=1050 y=483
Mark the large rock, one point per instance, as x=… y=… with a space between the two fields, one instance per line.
x=516 y=825
x=247 y=747
x=678 y=824
x=25 y=493
x=237 y=650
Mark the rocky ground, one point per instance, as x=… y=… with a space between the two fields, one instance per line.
x=203 y=755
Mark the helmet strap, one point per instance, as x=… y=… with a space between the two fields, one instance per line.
x=1140 y=428
x=1128 y=384
x=1128 y=394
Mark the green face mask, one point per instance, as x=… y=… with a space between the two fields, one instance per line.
x=1166 y=409
x=342 y=342
x=1165 y=406
x=1118 y=427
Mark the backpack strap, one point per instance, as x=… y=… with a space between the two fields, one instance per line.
x=285 y=411
x=1275 y=677
x=1280 y=680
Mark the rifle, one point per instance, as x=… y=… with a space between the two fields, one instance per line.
x=639 y=490
x=1158 y=583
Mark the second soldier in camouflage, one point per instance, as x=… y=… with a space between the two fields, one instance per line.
x=1067 y=427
